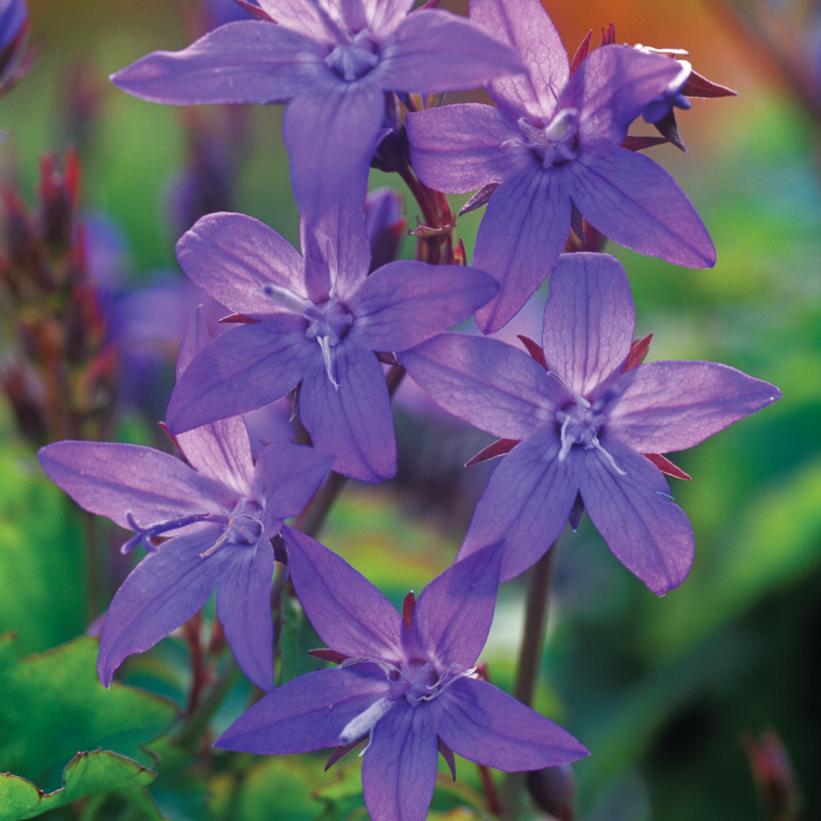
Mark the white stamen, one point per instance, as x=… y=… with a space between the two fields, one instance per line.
x=438 y=687
x=563 y=123
x=365 y=721
x=567 y=441
x=285 y=298
x=608 y=456
x=329 y=359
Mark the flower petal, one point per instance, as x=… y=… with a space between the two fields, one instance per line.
x=331 y=138
x=483 y=724
x=242 y=369
x=433 y=51
x=287 y=476
x=305 y=714
x=244 y=609
x=232 y=257
x=242 y=62
x=399 y=771
x=406 y=303
x=162 y=592
x=636 y=203
x=111 y=479
x=636 y=515
x=588 y=320
x=612 y=87
x=302 y=16
x=520 y=238
x=459 y=148
x=221 y=450
x=525 y=505
x=454 y=612
x=527 y=28
x=670 y=406
x=350 y=615
x=385 y=15
x=486 y=383
x=352 y=422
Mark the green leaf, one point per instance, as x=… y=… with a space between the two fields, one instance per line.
x=42 y=577
x=87 y=774
x=53 y=706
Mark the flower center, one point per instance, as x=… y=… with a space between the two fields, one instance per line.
x=328 y=324
x=243 y=526
x=556 y=143
x=353 y=59
x=579 y=426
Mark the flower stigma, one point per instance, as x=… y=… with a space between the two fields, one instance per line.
x=580 y=426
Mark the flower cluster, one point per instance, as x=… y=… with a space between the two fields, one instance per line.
x=583 y=424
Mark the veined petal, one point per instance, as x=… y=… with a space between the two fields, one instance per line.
x=588 y=319
x=636 y=203
x=305 y=714
x=352 y=421
x=111 y=480
x=164 y=590
x=635 y=514
x=433 y=51
x=347 y=611
x=386 y=15
x=331 y=138
x=526 y=504
x=242 y=62
x=483 y=724
x=222 y=449
x=232 y=257
x=406 y=303
x=302 y=16
x=242 y=369
x=336 y=248
x=527 y=28
x=244 y=609
x=520 y=238
x=612 y=87
x=454 y=612
x=287 y=476
x=399 y=771
x=670 y=406
x=486 y=383
x=460 y=148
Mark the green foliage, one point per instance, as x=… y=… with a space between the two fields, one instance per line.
x=53 y=706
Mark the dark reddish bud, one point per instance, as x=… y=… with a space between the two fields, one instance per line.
x=326 y=654
x=26 y=400
x=393 y=152
x=553 y=790
x=408 y=609
x=492 y=451
x=534 y=349
x=642 y=143
x=59 y=195
x=667 y=467
x=581 y=52
x=22 y=246
x=773 y=776
x=638 y=352
x=82 y=100
x=608 y=35
x=698 y=85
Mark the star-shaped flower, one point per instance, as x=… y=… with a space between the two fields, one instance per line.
x=332 y=62
x=315 y=322
x=407 y=684
x=583 y=425
x=218 y=512
x=552 y=145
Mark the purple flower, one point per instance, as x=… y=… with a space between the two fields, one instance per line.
x=219 y=515
x=584 y=424
x=332 y=62
x=407 y=684
x=316 y=322
x=552 y=146
x=16 y=55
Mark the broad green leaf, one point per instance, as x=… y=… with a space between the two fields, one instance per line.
x=87 y=774
x=53 y=706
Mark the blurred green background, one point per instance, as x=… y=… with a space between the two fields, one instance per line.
x=664 y=692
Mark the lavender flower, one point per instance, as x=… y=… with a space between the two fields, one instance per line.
x=219 y=515
x=554 y=144
x=332 y=62
x=316 y=322
x=407 y=684
x=584 y=425
x=16 y=54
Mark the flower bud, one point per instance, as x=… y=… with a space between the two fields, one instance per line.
x=553 y=789
x=385 y=224
x=773 y=776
